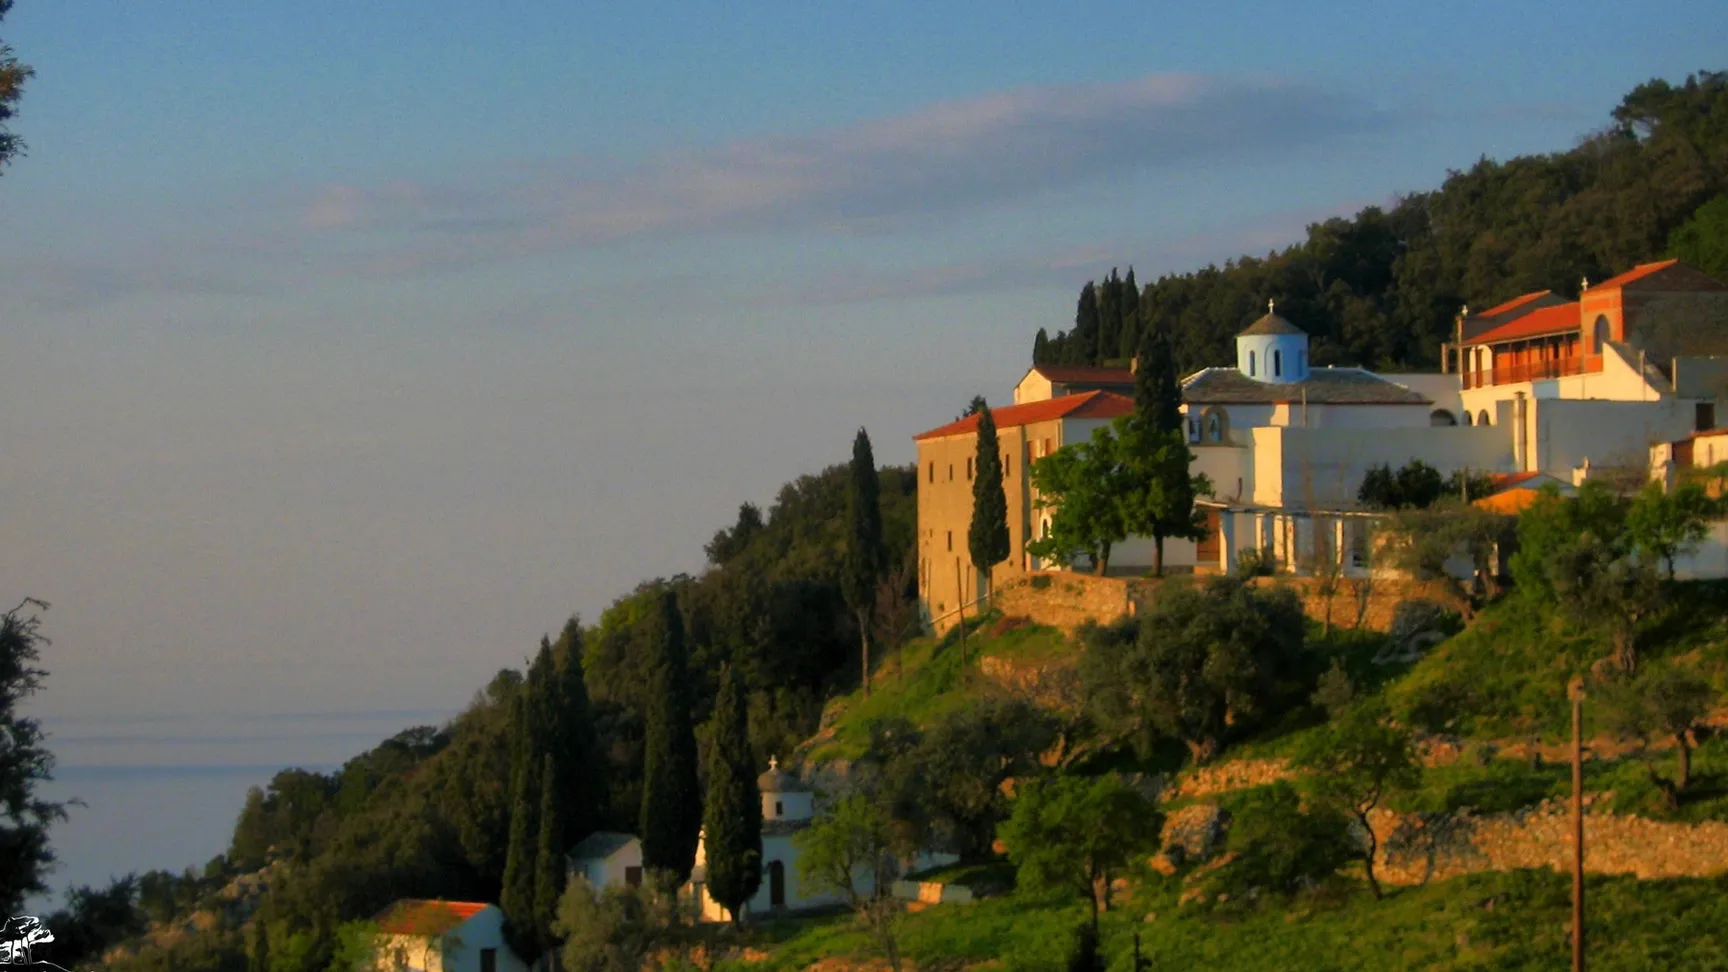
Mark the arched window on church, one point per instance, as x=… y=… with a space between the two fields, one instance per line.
x=1250 y=364
x=1277 y=364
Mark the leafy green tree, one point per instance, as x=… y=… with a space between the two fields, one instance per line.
x=733 y=810
x=1276 y=844
x=12 y=78
x=1353 y=763
x=1664 y=525
x=849 y=850
x=1424 y=540
x=948 y=785
x=987 y=540
x=24 y=815
x=1208 y=660
x=1076 y=835
x=1601 y=587
x=1670 y=704
x=1702 y=240
x=864 y=561
x=1082 y=485
x=619 y=930
x=671 y=799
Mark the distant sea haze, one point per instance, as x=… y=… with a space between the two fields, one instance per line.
x=162 y=791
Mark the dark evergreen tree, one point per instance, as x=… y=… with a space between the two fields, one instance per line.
x=574 y=744
x=987 y=540
x=517 y=896
x=732 y=814
x=1082 y=345
x=24 y=815
x=1041 y=349
x=12 y=78
x=864 y=562
x=549 y=855
x=1161 y=503
x=671 y=798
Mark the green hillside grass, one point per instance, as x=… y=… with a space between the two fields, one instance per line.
x=1514 y=920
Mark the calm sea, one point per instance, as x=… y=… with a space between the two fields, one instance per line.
x=163 y=791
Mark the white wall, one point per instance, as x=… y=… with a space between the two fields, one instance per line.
x=1309 y=468
x=458 y=950
x=610 y=871
x=1568 y=431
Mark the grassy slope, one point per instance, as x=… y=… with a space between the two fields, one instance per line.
x=1502 y=679
x=1515 y=920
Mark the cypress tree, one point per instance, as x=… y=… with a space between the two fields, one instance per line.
x=517 y=896
x=863 y=565
x=1082 y=345
x=1131 y=325
x=549 y=857
x=1163 y=505
x=671 y=799
x=1041 y=349
x=987 y=540
x=732 y=813
x=575 y=744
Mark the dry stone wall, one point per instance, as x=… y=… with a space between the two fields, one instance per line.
x=1067 y=600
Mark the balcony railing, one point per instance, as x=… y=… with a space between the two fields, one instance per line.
x=1511 y=374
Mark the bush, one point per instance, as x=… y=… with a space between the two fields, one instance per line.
x=1275 y=844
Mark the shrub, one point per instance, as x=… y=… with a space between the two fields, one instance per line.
x=1275 y=844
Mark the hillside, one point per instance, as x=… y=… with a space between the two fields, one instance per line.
x=1380 y=289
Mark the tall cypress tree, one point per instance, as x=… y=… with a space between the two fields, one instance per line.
x=671 y=798
x=517 y=896
x=575 y=744
x=732 y=813
x=987 y=540
x=1041 y=349
x=865 y=558
x=1163 y=502
x=549 y=855
x=1082 y=344
x=1131 y=327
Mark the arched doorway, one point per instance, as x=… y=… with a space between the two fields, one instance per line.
x=1482 y=418
x=776 y=884
x=1468 y=419
x=1599 y=333
x=1441 y=417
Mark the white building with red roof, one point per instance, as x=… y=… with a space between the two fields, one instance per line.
x=416 y=935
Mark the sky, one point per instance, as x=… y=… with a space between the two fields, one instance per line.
x=346 y=348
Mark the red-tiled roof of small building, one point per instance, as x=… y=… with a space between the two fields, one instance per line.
x=1089 y=405
x=1512 y=304
x=1638 y=272
x=1092 y=374
x=1509 y=480
x=1538 y=323
x=412 y=916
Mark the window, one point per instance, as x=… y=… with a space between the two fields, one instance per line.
x=1046 y=446
x=1214 y=432
x=1301 y=362
x=1482 y=418
x=779 y=808
x=1250 y=364
x=1469 y=419
x=1007 y=467
x=488 y=960
x=1194 y=427
x=1703 y=416
x=950 y=541
x=968 y=470
x=633 y=876
x=1277 y=364
x=932 y=472
x=950 y=472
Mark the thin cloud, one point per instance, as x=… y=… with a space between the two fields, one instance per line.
x=947 y=158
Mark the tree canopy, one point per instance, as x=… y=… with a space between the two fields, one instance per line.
x=13 y=74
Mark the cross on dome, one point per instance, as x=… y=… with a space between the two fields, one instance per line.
x=1269 y=305
x=773 y=763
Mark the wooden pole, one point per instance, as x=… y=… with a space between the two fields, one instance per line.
x=961 y=585
x=1576 y=690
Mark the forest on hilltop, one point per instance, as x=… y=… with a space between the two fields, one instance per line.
x=1381 y=289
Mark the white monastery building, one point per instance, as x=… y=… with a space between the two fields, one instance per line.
x=1563 y=389
x=443 y=936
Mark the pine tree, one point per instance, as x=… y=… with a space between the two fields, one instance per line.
x=732 y=813
x=864 y=565
x=987 y=540
x=671 y=799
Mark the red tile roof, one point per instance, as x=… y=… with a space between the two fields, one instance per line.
x=1092 y=404
x=1546 y=320
x=425 y=918
x=1512 y=304
x=1638 y=272
x=1510 y=480
x=1086 y=373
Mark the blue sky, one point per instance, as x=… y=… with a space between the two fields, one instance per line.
x=350 y=346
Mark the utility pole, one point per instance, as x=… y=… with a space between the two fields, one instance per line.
x=1576 y=690
x=960 y=585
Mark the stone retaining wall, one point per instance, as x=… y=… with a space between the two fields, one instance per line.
x=1067 y=600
